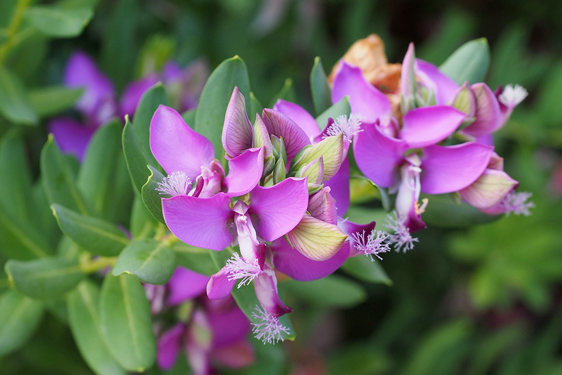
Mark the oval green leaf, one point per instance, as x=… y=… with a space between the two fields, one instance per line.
x=152 y=198
x=340 y=108
x=58 y=21
x=19 y=316
x=135 y=157
x=442 y=211
x=333 y=291
x=468 y=63
x=362 y=268
x=44 y=278
x=321 y=92
x=85 y=325
x=14 y=103
x=127 y=322
x=216 y=94
x=151 y=261
x=96 y=236
x=50 y=100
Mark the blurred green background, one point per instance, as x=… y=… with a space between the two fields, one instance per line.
x=485 y=300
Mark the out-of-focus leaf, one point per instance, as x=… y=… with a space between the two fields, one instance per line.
x=151 y=261
x=468 y=63
x=58 y=179
x=19 y=240
x=287 y=93
x=330 y=291
x=359 y=359
x=127 y=322
x=152 y=198
x=97 y=177
x=135 y=157
x=84 y=318
x=340 y=108
x=189 y=117
x=216 y=94
x=321 y=92
x=97 y=236
x=441 y=351
x=14 y=103
x=44 y=278
x=254 y=107
x=19 y=316
x=194 y=258
x=362 y=268
x=59 y=21
x=48 y=101
x=120 y=42
x=15 y=186
x=442 y=211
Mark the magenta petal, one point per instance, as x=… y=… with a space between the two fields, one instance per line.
x=322 y=206
x=364 y=98
x=276 y=210
x=265 y=286
x=185 y=285
x=452 y=168
x=133 y=94
x=244 y=173
x=282 y=126
x=219 y=286
x=228 y=326
x=176 y=146
x=488 y=115
x=71 y=136
x=378 y=155
x=427 y=126
x=339 y=185
x=237 y=129
x=169 y=347
x=98 y=99
x=431 y=77
x=295 y=265
x=299 y=115
x=199 y=222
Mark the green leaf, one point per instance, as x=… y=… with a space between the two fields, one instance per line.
x=151 y=261
x=194 y=258
x=44 y=278
x=216 y=94
x=143 y=224
x=340 y=108
x=94 y=235
x=48 y=101
x=19 y=316
x=58 y=179
x=152 y=198
x=189 y=117
x=362 y=268
x=85 y=326
x=15 y=186
x=321 y=92
x=127 y=322
x=149 y=103
x=287 y=93
x=468 y=63
x=245 y=297
x=57 y=21
x=254 y=107
x=20 y=240
x=333 y=291
x=14 y=103
x=96 y=179
x=442 y=211
x=135 y=157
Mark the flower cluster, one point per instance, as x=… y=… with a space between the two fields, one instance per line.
x=278 y=205
x=98 y=103
x=423 y=133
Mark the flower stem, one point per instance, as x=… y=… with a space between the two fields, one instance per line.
x=93 y=265
x=13 y=28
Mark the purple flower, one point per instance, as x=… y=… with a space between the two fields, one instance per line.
x=213 y=331
x=99 y=103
